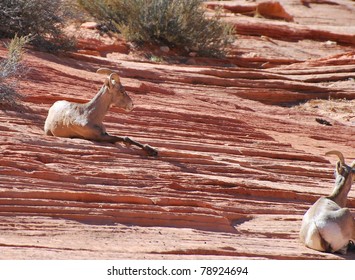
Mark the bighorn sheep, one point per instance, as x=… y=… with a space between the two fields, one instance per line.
x=328 y=226
x=74 y=120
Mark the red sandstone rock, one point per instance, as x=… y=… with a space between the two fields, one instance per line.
x=233 y=6
x=99 y=46
x=267 y=9
x=235 y=173
x=273 y=9
x=91 y=42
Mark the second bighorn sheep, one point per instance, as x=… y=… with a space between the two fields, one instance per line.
x=328 y=226
x=75 y=120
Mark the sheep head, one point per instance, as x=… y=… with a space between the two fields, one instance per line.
x=342 y=168
x=120 y=98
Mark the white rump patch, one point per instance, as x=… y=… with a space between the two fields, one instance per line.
x=331 y=232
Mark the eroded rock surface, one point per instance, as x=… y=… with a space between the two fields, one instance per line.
x=235 y=172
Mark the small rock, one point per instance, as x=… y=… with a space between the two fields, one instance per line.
x=193 y=54
x=273 y=9
x=330 y=43
x=251 y=55
x=90 y=25
x=165 y=49
x=323 y=122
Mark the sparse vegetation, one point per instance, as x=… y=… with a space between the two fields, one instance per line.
x=342 y=110
x=41 y=19
x=11 y=69
x=175 y=23
x=156 y=59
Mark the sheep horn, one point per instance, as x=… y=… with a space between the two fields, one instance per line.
x=112 y=75
x=338 y=154
x=105 y=71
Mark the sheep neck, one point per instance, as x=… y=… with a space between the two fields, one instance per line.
x=341 y=189
x=99 y=105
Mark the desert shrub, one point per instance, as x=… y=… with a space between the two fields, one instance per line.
x=175 y=23
x=41 y=19
x=11 y=70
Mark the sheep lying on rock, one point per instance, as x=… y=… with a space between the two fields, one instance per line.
x=328 y=226
x=75 y=120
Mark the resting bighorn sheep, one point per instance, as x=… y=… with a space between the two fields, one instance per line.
x=74 y=120
x=328 y=226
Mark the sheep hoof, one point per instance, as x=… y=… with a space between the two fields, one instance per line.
x=150 y=150
x=351 y=246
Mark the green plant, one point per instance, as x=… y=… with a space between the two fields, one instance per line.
x=11 y=70
x=156 y=59
x=175 y=23
x=41 y=19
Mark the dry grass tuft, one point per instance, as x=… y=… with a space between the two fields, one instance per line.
x=11 y=70
x=43 y=20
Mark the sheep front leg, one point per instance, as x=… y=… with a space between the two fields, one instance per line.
x=128 y=141
x=149 y=150
x=98 y=133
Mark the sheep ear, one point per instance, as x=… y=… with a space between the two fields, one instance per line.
x=339 y=167
x=114 y=79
